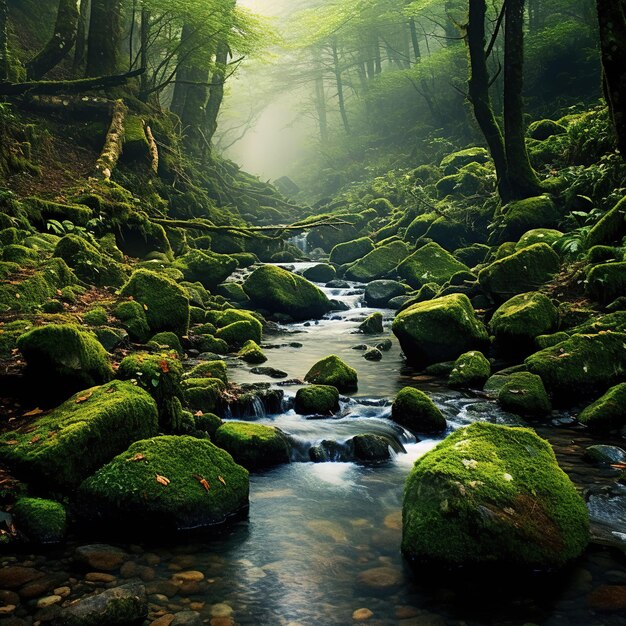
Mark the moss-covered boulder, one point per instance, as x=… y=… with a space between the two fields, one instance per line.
x=471 y=370
x=377 y=263
x=521 y=216
x=210 y=369
x=254 y=446
x=439 y=330
x=279 y=291
x=73 y=440
x=134 y=320
x=429 y=264
x=543 y=129
x=204 y=394
x=205 y=267
x=581 y=366
x=610 y=228
x=372 y=324
x=378 y=293
x=64 y=358
x=522 y=271
x=41 y=521
x=233 y=292
x=606 y=282
x=252 y=353
x=492 y=494
x=351 y=251
x=238 y=333
x=414 y=410
x=332 y=371
x=524 y=393
x=518 y=321
x=169 y=482
x=320 y=273
x=166 y=303
x=539 y=235
x=317 y=400
x=452 y=163
x=96 y=316
x=606 y=413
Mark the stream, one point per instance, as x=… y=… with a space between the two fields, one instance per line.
x=322 y=540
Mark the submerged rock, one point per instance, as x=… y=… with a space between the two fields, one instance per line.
x=492 y=494
x=333 y=371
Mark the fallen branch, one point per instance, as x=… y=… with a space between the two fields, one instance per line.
x=113 y=143
x=154 y=151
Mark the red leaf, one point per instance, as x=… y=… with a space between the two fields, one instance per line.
x=165 y=368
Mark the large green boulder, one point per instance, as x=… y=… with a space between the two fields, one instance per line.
x=518 y=321
x=378 y=263
x=331 y=370
x=524 y=393
x=166 y=303
x=63 y=357
x=429 y=264
x=72 y=441
x=372 y=324
x=320 y=273
x=414 y=410
x=520 y=216
x=205 y=267
x=378 y=293
x=522 y=271
x=606 y=282
x=317 y=400
x=279 y=291
x=439 y=330
x=252 y=353
x=351 y=251
x=611 y=228
x=543 y=129
x=42 y=521
x=606 y=413
x=581 y=366
x=538 y=235
x=134 y=320
x=254 y=446
x=168 y=482
x=492 y=494
x=452 y=163
x=238 y=333
x=470 y=370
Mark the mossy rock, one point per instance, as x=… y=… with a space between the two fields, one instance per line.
x=378 y=263
x=518 y=321
x=210 y=369
x=254 y=446
x=233 y=292
x=490 y=495
x=451 y=233
x=332 y=371
x=166 y=303
x=429 y=264
x=471 y=370
x=378 y=293
x=207 y=422
x=606 y=282
x=204 y=394
x=64 y=358
x=72 y=441
x=518 y=217
x=604 y=254
x=42 y=521
x=126 y=493
x=137 y=237
x=207 y=268
x=351 y=251
x=524 y=394
x=426 y=292
x=206 y=342
x=472 y=255
x=539 y=235
x=238 y=333
x=610 y=228
x=280 y=291
x=166 y=340
x=110 y=337
x=317 y=400
x=372 y=324
x=134 y=320
x=244 y=259
x=544 y=129
x=607 y=413
x=320 y=273
x=252 y=353
x=41 y=211
x=414 y=410
x=96 y=317
x=21 y=255
x=439 y=330
x=419 y=227
x=452 y=163
x=547 y=341
x=523 y=271
x=581 y=366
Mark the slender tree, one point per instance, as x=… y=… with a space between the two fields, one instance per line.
x=4 y=40
x=339 y=82
x=216 y=91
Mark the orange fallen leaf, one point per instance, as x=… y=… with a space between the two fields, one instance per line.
x=35 y=439
x=34 y=412
x=221 y=480
x=198 y=414
x=203 y=481
x=85 y=397
x=165 y=368
x=11 y=442
x=162 y=480
x=137 y=457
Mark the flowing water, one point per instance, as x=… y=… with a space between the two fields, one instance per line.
x=322 y=539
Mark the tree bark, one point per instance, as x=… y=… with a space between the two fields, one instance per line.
x=216 y=91
x=182 y=72
x=80 y=47
x=104 y=37
x=143 y=53
x=522 y=178
x=4 y=40
x=339 y=81
x=193 y=115
x=113 y=143
x=320 y=97
x=414 y=41
x=612 y=20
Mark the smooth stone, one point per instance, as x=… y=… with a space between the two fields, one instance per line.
x=222 y=621
x=394 y=520
x=191 y=576
x=7 y=609
x=164 y=620
x=187 y=618
x=380 y=577
x=221 y=610
x=406 y=612
x=9 y=597
x=62 y=591
x=100 y=556
x=14 y=576
x=42 y=603
x=362 y=615
x=607 y=455
x=99 y=577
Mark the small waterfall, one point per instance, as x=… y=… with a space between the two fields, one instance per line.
x=300 y=242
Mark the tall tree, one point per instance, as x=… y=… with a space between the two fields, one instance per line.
x=216 y=91
x=104 y=37
x=4 y=40
x=612 y=20
x=80 y=48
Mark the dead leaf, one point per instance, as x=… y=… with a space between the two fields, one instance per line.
x=165 y=368
x=35 y=439
x=221 y=480
x=145 y=306
x=34 y=412
x=137 y=457
x=198 y=414
x=11 y=442
x=162 y=480
x=203 y=481
x=619 y=466
x=85 y=397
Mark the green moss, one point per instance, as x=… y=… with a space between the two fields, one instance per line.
x=43 y=242
x=21 y=255
x=10 y=332
x=244 y=259
x=419 y=227
x=372 y=324
x=126 y=493
x=210 y=369
x=208 y=268
x=252 y=353
x=108 y=245
x=454 y=162
x=320 y=273
x=280 y=291
x=351 y=251
x=134 y=320
x=317 y=400
x=204 y=394
x=439 y=330
x=518 y=217
x=42 y=521
x=209 y=343
x=429 y=264
x=197 y=294
x=96 y=317
x=611 y=228
x=607 y=413
x=161 y=341
x=602 y=254
x=41 y=211
x=547 y=341
x=583 y=365
x=207 y=422
x=73 y=440
x=523 y=271
x=331 y=370
x=470 y=370
x=254 y=446
x=378 y=263
x=233 y=292
x=543 y=129
x=196 y=315
x=64 y=355
x=492 y=494
x=135 y=144
x=523 y=393
x=166 y=304
x=538 y=235
x=414 y=410
x=238 y=333
x=160 y=375
x=137 y=236
x=472 y=255
x=606 y=282
x=522 y=318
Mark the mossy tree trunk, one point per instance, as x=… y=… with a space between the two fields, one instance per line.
x=414 y=41
x=4 y=40
x=339 y=81
x=61 y=42
x=216 y=91
x=146 y=20
x=80 y=48
x=113 y=143
x=612 y=20
x=522 y=178
x=181 y=86
x=103 y=44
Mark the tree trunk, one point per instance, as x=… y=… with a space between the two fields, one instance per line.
x=104 y=37
x=320 y=97
x=414 y=41
x=4 y=40
x=182 y=72
x=143 y=53
x=612 y=20
x=340 y=96
x=113 y=143
x=522 y=177
x=478 y=88
x=216 y=92
x=192 y=117
x=80 y=47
